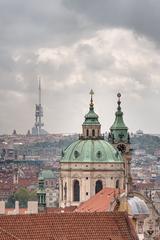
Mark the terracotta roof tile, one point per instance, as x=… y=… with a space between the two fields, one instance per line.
x=69 y=226
x=101 y=202
x=61 y=210
x=4 y=235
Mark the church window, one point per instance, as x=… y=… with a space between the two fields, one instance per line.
x=99 y=186
x=87 y=132
x=76 y=191
x=62 y=190
x=65 y=191
x=117 y=183
x=99 y=154
x=86 y=193
x=86 y=178
x=76 y=154
x=93 y=132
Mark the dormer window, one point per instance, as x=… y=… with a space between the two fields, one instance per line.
x=99 y=154
x=76 y=154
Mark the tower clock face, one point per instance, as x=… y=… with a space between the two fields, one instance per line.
x=121 y=147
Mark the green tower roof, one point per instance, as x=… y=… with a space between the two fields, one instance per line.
x=41 y=188
x=47 y=174
x=91 y=151
x=119 y=131
x=91 y=118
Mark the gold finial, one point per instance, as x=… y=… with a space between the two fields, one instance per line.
x=91 y=93
x=119 y=96
x=91 y=103
x=119 y=101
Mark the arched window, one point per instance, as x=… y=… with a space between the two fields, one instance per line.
x=99 y=186
x=87 y=132
x=117 y=183
x=65 y=191
x=93 y=133
x=76 y=191
x=62 y=190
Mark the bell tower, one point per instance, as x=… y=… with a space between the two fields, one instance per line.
x=119 y=137
x=41 y=194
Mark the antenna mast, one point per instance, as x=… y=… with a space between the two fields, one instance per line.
x=39 y=111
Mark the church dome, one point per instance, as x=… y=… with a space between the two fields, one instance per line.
x=47 y=174
x=137 y=206
x=91 y=151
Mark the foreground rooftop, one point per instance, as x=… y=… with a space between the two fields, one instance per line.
x=67 y=226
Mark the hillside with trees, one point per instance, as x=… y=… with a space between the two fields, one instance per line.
x=149 y=143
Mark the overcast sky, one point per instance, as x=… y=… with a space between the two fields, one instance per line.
x=75 y=45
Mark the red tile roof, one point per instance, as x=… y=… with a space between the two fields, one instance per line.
x=61 y=210
x=4 y=235
x=68 y=226
x=101 y=202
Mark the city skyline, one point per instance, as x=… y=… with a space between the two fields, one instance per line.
x=110 y=48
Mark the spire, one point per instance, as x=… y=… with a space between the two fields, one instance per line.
x=119 y=101
x=91 y=108
x=91 y=118
x=119 y=131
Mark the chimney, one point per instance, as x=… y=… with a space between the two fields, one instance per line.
x=32 y=207
x=16 y=207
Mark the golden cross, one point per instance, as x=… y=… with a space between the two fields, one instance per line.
x=91 y=93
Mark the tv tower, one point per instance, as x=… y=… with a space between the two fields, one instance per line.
x=37 y=130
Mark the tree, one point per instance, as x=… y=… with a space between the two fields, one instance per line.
x=10 y=202
x=23 y=196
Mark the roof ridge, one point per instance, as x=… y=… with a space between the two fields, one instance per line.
x=8 y=233
x=130 y=226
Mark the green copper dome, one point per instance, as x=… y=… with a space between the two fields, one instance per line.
x=47 y=174
x=91 y=118
x=91 y=151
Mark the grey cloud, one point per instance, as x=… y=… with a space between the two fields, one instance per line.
x=93 y=61
x=31 y=23
x=141 y=16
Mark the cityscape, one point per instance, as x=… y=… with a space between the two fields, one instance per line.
x=79 y=124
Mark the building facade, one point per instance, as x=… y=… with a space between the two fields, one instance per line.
x=89 y=164
x=50 y=187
